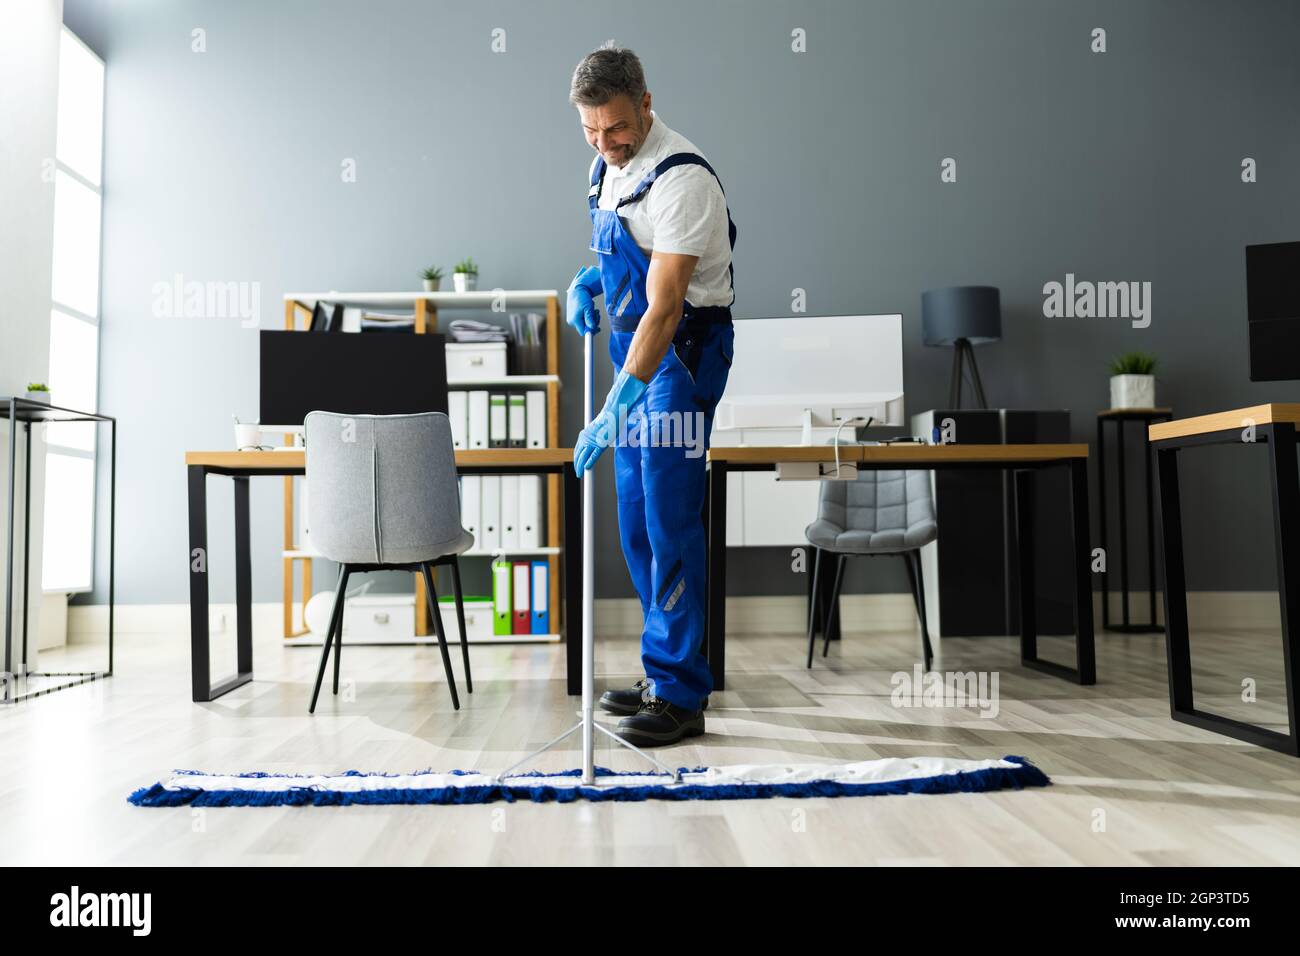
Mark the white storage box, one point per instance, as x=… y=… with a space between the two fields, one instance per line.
x=380 y=618
x=476 y=360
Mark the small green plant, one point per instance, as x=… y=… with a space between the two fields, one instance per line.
x=37 y=387
x=467 y=266
x=433 y=273
x=1134 y=363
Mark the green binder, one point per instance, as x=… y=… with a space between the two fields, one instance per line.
x=501 y=597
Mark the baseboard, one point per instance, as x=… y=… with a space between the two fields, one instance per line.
x=775 y=614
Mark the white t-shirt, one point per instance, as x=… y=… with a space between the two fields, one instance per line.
x=684 y=212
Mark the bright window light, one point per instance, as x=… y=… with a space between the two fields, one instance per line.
x=74 y=371
x=69 y=505
x=76 y=245
x=81 y=109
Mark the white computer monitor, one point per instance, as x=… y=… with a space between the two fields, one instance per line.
x=814 y=371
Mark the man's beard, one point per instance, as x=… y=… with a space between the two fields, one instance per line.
x=626 y=153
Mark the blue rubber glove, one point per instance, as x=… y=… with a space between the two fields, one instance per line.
x=580 y=311
x=600 y=434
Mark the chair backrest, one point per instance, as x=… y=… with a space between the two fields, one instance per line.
x=382 y=489
x=878 y=501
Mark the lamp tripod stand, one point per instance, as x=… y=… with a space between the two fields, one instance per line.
x=587 y=723
x=962 y=354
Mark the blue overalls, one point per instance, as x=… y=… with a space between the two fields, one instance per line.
x=659 y=470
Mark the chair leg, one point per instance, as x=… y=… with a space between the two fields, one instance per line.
x=432 y=596
x=914 y=571
x=336 y=623
x=833 y=613
x=813 y=605
x=460 y=623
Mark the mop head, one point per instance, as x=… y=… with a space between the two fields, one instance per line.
x=869 y=778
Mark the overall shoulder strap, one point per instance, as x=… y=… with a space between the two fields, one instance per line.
x=597 y=181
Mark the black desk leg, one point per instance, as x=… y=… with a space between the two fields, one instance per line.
x=1101 y=519
x=1123 y=523
x=1151 y=532
x=1286 y=509
x=1177 y=646
x=1085 y=669
x=715 y=625
x=243 y=579
x=112 y=519
x=200 y=675
x=1023 y=486
x=1286 y=513
x=9 y=544
x=572 y=579
x=27 y=533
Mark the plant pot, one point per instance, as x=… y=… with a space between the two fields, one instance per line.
x=1132 y=391
x=42 y=397
x=431 y=285
x=465 y=281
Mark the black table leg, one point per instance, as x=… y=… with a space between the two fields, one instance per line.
x=1023 y=487
x=715 y=623
x=1085 y=669
x=9 y=544
x=1286 y=509
x=243 y=579
x=1101 y=520
x=1285 y=480
x=1123 y=523
x=572 y=579
x=200 y=674
x=27 y=532
x=112 y=519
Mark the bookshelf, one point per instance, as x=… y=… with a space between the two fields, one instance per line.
x=425 y=307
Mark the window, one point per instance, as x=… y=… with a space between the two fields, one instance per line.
x=68 y=563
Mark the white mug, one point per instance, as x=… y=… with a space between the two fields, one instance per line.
x=247 y=436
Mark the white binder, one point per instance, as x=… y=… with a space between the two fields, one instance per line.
x=458 y=412
x=530 y=511
x=471 y=516
x=491 y=504
x=478 y=419
x=510 y=512
x=497 y=436
x=535 y=413
x=516 y=431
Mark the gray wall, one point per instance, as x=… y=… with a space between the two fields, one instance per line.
x=1116 y=166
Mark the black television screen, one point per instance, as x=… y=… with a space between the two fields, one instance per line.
x=1273 y=310
x=359 y=373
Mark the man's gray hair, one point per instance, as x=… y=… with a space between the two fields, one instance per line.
x=605 y=73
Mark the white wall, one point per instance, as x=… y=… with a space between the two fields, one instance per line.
x=29 y=83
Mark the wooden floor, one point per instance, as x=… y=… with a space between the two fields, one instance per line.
x=1131 y=787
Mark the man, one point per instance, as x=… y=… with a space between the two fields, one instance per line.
x=663 y=236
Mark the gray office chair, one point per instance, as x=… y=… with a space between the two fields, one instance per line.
x=383 y=497
x=878 y=513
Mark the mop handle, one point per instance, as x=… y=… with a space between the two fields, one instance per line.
x=588 y=573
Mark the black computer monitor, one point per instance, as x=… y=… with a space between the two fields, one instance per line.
x=1273 y=310
x=359 y=373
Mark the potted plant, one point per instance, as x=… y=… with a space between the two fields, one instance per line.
x=432 y=278
x=1132 y=381
x=38 y=392
x=465 y=275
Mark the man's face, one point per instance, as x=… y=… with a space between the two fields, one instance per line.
x=616 y=129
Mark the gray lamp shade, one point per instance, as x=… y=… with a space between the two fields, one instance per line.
x=971 y=312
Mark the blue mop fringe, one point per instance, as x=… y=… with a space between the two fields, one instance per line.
x=1023 y=775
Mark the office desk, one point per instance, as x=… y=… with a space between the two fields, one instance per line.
x=1274 y=425
x=242 y=465
x=1022 y=460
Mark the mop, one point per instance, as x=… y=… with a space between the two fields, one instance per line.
x=895 y=775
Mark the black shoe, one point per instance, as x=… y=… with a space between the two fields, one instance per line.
x=659 y=722
x=628 y=701
x=624 y=701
